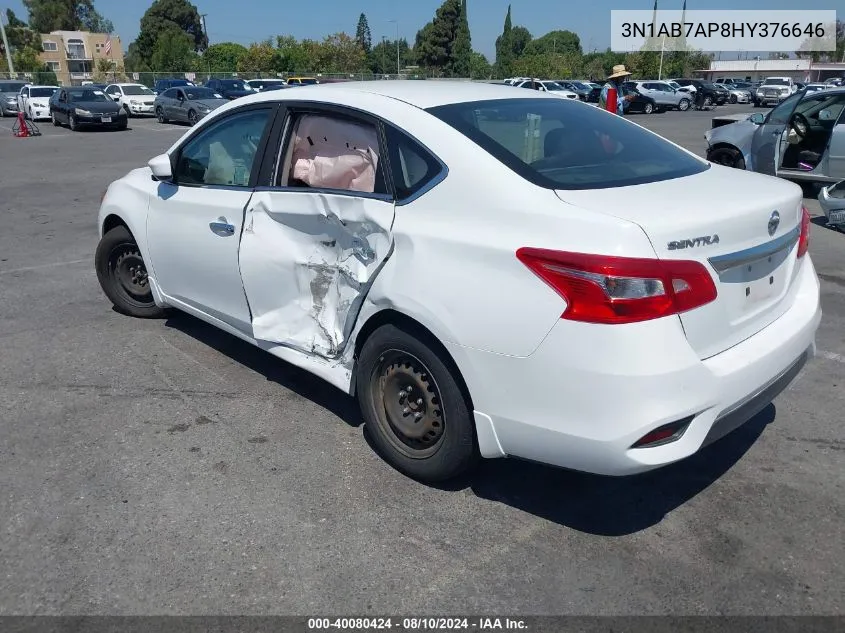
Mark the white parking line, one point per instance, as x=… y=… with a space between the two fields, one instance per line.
x=838 y=358
x=28 y=268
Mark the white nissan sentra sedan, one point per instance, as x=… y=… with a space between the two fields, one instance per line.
x=491 y=272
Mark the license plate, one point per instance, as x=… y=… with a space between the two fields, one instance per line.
x=106 y=119
x=837 y=217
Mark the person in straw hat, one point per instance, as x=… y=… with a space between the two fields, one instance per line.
x=617 y=77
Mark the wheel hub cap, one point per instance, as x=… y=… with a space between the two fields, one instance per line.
x=132 y=273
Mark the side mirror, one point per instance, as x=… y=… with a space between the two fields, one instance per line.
x=161 y=167
x=757 y=118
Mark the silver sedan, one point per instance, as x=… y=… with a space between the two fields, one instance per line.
x=187 y=103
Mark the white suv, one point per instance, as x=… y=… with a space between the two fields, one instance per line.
x=664 y=94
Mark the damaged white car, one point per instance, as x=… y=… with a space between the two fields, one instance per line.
x=491 y=272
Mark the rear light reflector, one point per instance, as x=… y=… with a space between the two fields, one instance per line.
x=663 y=434
x=614 y=290
x=804 y=238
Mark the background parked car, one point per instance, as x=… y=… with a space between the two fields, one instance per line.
x=595 y=93
x=9 y=91
x=713 y=95
x=188 y=104
x=135 y=99
x=165 y=84
x=34 y=101
x=735 y=93
x=85 y=106
x=578 y=87
x=302 y=81
x=639 y=103
x=664 y=95
x=260 y=85
x=552 y=87
x=229 y=88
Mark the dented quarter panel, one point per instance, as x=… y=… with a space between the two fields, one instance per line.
x=307 y=260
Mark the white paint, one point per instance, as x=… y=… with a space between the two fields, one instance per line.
x=292 y=275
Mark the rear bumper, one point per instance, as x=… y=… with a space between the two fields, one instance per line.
x=830 y=204
x=590 y=392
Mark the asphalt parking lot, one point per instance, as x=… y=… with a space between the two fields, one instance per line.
x=163 y=467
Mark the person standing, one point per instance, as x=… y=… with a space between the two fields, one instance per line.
x=615 y=80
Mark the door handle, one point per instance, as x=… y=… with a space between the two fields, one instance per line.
x=222 y=227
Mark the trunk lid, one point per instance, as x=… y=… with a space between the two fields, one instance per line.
x=751 y=257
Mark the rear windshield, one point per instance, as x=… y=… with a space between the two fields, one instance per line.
x=563 y=144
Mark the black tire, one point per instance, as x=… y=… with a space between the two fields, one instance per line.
x=648 y=108
x=55 y=119
x=192 y=117
x=123 y=275
x=72 y=123
x=733 y=99
x=160 y=115
x=727 y=156
x=123 y=126
x=427 y=431
x=128 y=111
x=683 y=105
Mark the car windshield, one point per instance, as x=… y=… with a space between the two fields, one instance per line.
x=559 y=144
x=776 y=82
x=308 y=82
x=6 y=87
x=42 y=92
x=88 y=96
x=201 y=93
x=233 y=84
x=137 y=90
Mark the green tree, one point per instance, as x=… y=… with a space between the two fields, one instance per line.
x=504 y=48
x=435 y=44
x=340 y=53
x=563 y=42
x=173 y=52
x=133 y=60
x=553 y=65
x=259 y=58
x=65 y=15
x=363 y=35
x=291 y=55
x=382 y=59
x=169 y=15
x=479 y=66
x=462 y=55
x=223 y=57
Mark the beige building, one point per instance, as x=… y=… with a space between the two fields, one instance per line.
x=73 y=55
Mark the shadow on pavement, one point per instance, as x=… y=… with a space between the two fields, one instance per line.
x=606 y=506
x=289 y=376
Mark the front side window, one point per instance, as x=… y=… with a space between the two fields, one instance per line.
x=560 y=144
x=225 y=153
x=783 y=112
x=326 y=151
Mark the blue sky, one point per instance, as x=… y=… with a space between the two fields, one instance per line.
x=246 y=21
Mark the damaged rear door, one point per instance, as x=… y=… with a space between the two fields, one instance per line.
x=313 y=243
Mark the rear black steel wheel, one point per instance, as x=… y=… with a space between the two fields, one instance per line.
x=123 y=274
x=413 y=405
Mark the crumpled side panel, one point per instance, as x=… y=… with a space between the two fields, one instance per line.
x=307 y=260
x=334 y=154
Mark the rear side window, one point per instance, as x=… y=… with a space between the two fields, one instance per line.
x=562 y=144
x=412 y=166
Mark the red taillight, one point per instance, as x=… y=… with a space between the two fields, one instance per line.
x=804 y=239
x=604 y=289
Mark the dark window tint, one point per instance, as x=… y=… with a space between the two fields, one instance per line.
x=560 y=144
x=41 y=92
x=225 y=153
x=201 y=93
x=170 y=94
x=412 y=166
x=88 y=96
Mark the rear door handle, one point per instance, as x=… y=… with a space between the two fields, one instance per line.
x=222 y=227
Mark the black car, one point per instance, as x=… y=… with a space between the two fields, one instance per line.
x=230 y=88
x=83 y=106
x=578 y=87
x=594 y=95
x=711 y=93
x=166 y=84
x=638 y=102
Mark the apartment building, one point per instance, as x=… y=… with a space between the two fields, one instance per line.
x=73 y=55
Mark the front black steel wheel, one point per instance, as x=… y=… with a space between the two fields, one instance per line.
x=123 y=274
x=727 y=156
x=415 y=409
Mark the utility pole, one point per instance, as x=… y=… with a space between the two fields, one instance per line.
x=205 y=29
x=6 y=46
